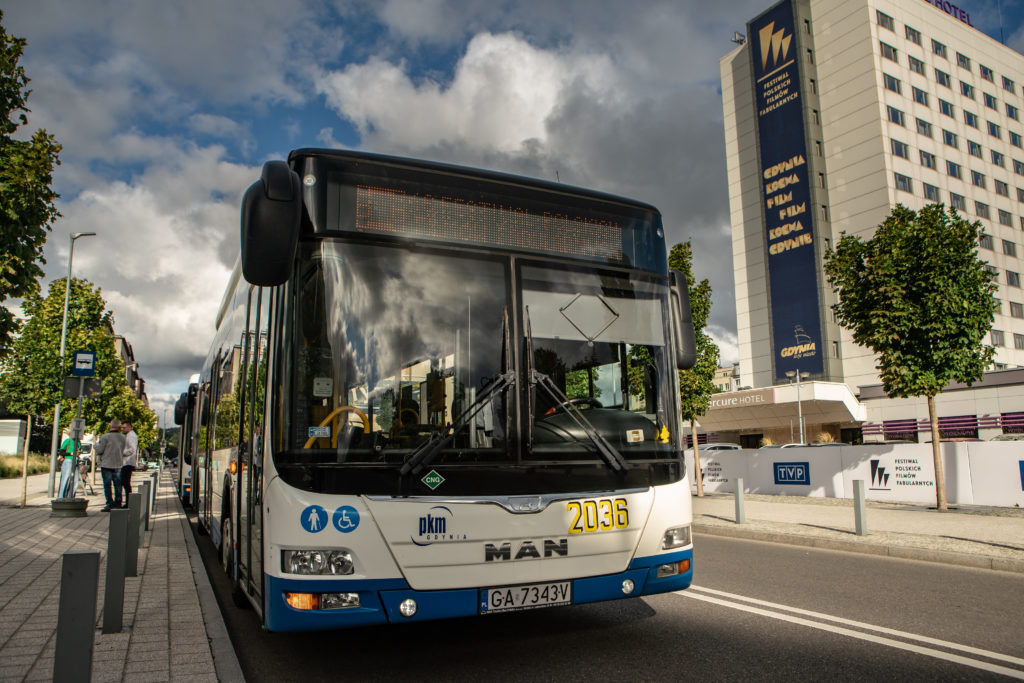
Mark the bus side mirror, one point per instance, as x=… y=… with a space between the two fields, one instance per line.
x=271 y=211
x=682 y=321
x=180 y=409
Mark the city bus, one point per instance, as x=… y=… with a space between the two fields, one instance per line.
x=437 y=391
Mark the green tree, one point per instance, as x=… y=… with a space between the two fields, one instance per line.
x=697 y=384
x=32 y=382
x=26 y=200
x=918 y=295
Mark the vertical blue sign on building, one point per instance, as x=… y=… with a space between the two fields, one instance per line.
x=785 y=181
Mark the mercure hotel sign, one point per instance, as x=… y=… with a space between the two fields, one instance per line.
x=952 y=10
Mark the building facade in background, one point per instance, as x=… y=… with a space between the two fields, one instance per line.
x=836 y=111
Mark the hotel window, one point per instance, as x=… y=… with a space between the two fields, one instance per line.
x=1009 y=86
x=967 y=90
x=1002 y=189
x=1013 y=112
x=954 y=170
x=963 y=61
x=1012 y=278
x=982 y=210
x=916 y=65
x=942 y=78
x=819 y=148
x=1018 y=341
x=920 y=96
x=1009 y=248
x=1005 y=218
x=888 y=51
x=992 y=271
x=999 y=159
x=928 y=160
x=814 y=86
x=913 y=35
x=997 y=338
x=1018 y=167
x=931 y=193
x=1016 y=140
x=903 y=183
x=885 y=20
x=990 y=101
x=978 y=179
x=986 y=73
x=924 y=128
x=810 y=56
x=986 y=241
x=994 y=130
x=815 y=117
x=973 y=148
x=950 y=138
x=896 y=116
x=958 y=201
x=971 y=119
x=1016 y=310
x=938 y=48
x=892 y=83
x=947 y=108
x=900 y=149
x=1020 y=198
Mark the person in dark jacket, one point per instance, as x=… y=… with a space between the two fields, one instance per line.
x=109 y=450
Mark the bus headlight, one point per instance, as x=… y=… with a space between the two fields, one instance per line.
x=307 y=562
x=676 y=537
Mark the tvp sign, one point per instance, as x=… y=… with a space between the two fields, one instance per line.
x=793 y=473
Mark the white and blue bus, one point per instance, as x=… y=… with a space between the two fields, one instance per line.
x=437 y=391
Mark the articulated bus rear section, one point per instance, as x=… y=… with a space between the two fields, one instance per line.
x=437 y=391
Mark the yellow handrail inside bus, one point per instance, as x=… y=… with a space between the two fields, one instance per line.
x=336 y=411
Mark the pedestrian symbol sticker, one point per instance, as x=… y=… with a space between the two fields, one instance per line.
x=313 y=519
x=346 y=519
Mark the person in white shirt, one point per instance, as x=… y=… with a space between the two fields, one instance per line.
x=129 y=457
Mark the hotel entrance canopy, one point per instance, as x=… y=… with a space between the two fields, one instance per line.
x=776 y=407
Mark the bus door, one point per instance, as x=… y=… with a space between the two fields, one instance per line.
x=250 y=519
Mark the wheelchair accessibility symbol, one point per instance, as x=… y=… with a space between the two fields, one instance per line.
x=346 y=519
x=313 y=519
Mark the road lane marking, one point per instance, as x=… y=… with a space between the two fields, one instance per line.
x=694 y=593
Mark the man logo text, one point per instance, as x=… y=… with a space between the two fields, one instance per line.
x=526 y=550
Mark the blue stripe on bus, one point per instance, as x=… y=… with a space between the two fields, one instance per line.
x=380 y=598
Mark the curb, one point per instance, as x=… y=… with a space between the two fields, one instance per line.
x=901 y=552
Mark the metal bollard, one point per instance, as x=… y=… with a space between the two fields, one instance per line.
x=860 y=511
x=76 y=616
x=131 y=550
x=741 y=513
x=144 y=511
x=113 y=593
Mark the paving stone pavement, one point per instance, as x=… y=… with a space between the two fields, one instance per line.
x=171 y=626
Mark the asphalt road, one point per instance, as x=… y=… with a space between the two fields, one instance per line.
x=757 y=611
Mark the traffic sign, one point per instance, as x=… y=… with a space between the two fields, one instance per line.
x=84 y=365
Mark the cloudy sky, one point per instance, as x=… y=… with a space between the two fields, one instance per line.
x=167 y=110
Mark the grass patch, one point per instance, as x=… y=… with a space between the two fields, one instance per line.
x=11 y=465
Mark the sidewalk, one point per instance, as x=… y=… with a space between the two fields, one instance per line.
x=172 y=627
x=972 y=536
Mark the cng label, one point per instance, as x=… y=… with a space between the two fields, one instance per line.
x=432 y=480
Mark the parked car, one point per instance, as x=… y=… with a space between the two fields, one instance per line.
x=1008 y=437
x=720 y=447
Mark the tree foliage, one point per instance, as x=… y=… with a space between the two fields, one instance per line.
x=26 y=200
x=32 y=375
x=697 y=384
x=919 y=296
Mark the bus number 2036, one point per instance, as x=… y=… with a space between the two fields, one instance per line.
x=605 y=514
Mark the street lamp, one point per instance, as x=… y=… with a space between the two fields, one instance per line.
x=799 y=408
x=55 y=440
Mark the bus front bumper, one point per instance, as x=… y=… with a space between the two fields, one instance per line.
x=380 y=600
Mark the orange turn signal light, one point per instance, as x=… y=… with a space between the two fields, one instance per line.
x=303 y=600
x=233 y=467
x=684 y=566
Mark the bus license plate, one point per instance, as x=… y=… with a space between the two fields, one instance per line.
x=511 y=598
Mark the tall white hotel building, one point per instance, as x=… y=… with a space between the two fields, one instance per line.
x=835 y=111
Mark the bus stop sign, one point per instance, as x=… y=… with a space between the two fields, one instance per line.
x=84 y=365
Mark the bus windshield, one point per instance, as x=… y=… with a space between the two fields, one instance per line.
x=510 y=376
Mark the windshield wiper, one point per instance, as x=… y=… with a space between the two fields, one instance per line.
x=610 y=454
x=428 y=451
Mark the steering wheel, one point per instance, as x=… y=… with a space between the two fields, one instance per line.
x=581 y=401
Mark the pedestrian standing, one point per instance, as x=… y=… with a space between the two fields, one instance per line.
x=129 y=458
x=109 y=450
